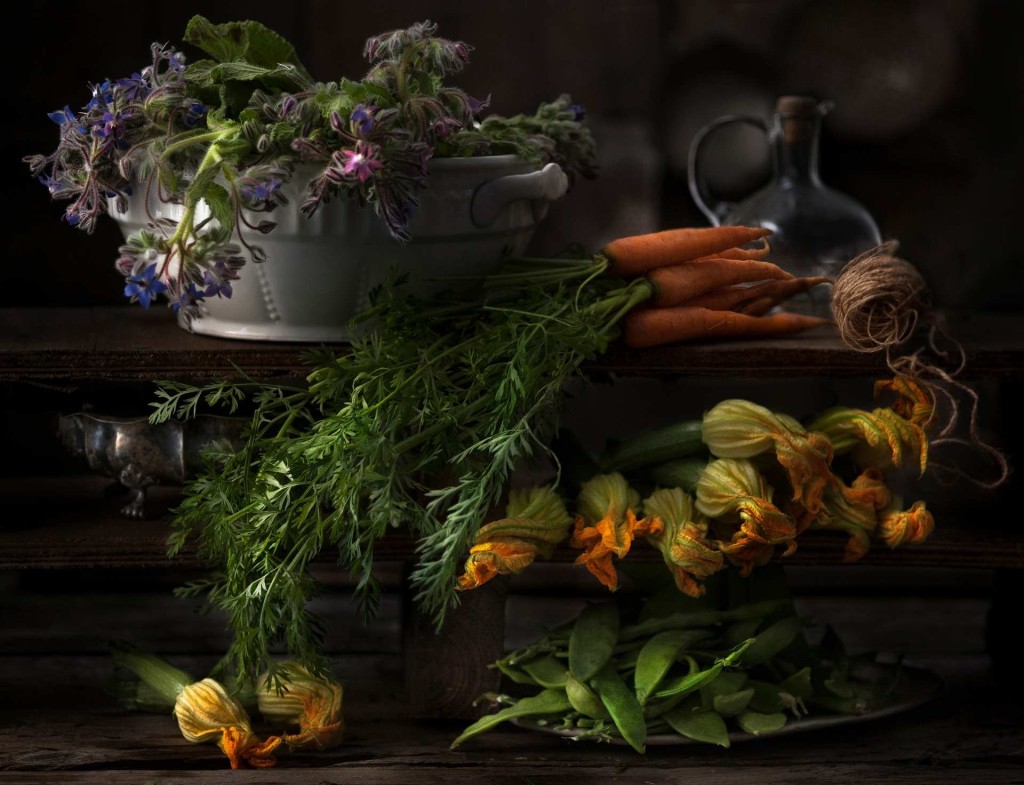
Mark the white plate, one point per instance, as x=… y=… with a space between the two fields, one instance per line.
x=915 y=687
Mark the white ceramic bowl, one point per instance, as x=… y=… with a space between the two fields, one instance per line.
x=319 y=270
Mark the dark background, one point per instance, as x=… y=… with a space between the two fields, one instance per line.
x=926 y=130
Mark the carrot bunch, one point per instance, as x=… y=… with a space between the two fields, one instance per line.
x=705 y=285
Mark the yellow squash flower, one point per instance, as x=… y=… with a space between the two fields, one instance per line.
x=914 y=401
x=737 y=428
x=854 y=509
x=205 y=712
x=536 y=522
x=313 y=704
x=683 y=542
x=878 y=439
x=607 y=525
x=906 y=527
x=733 y=491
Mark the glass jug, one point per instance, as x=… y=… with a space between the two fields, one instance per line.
x=816 y=228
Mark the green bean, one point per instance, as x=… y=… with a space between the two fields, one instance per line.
x=622 y=704
x=550 y=701
x=657 y=656
x=592 y=640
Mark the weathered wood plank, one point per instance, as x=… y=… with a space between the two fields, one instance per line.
x=129 y=344
x=975 y=732
x=51 y=522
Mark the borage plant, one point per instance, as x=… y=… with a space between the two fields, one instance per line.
x=221 y=136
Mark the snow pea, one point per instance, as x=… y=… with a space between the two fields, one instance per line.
x=622 y=704
x=687 y=621
x=693 y=722
x=694 y=681
x=546 y=671
x=550 y=701
x=734 y=703
x=593 y=639
x=657 y=656
x=773 y=640
x=756 y=723
x=584 y=700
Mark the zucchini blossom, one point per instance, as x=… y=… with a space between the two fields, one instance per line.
x=607 y=525
x=536 y=521
x=733 y=491
x=313 y=704
x=683 y=542
x=206 y=712
x=737 y=428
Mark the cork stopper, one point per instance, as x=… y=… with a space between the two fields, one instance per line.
x=797 y=116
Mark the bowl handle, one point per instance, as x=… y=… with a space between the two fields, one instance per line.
x=542 y=187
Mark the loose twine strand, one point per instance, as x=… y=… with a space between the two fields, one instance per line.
x=878 y=301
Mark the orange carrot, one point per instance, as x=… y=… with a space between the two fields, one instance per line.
x=744 y=253
x=632 y=256
x=677 y=284
x=659 y=326
x=752 y=299
x=773 y=293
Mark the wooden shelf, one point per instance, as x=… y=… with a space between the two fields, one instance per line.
x=973 y=733
x=129 y=344
x=73 y=522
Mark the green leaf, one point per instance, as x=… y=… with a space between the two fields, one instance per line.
x=756 y=723
x=219 y=202
x=772 y=641
x=246 y=40
x=541 y=704
x=547 y=671
x=733 y=704
x=622 y=704
x=593 y=639
x=584 y=700
x=703 y=726
x=657 y=656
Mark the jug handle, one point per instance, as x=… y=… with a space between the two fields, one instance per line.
x=698 y=190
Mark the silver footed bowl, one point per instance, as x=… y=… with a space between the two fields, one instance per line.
x=138 y=454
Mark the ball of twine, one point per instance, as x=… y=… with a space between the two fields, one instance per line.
x=878 y=299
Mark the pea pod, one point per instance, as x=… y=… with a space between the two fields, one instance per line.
x=622 y=704
x=584 y=700
x=694 y=681
x=515 y=675
x=550 y=701
x=767 y=697
x=593 y=639
x=689 y=621
x=733 y=704
x=756 y=723
x=657 y=656
x=546 y=671
x=700 y=725
x=799 y=684
x=773 y=640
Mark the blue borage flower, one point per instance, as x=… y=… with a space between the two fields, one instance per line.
x=362 y=119
x=144 y=286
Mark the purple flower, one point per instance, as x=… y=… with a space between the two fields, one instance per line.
x=66 y=117
x=362 y=119
x=216 y=287
x=176 y=62
x=188 y=299
x=195 y=114
x=111 y=126
x=361 y=162
x=134 y=87
x=579 y=112
x=476 y=106
x=71 y=216
x=143 y=287
x=260 y=191
x=102 y=96
x=52 y=185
